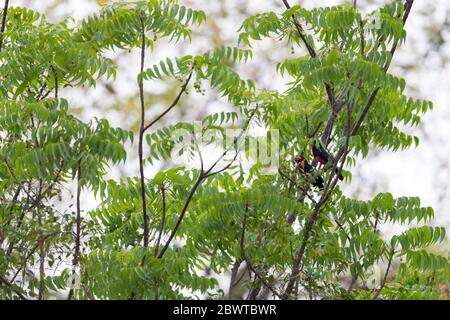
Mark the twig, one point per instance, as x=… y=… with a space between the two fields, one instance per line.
x=163 y=219
x=312 y=52
x=55 y=73
x=32 y=251
x=408 y=6
x=377 y=293
x=3 y=27
x=11 y=171
x=35 y=202
x=203 y=175
x=301 y=32
x=209 y=172
x=183 y=212
x=173 y=104
x=11 y=205
x=233 y=282
x=329 y=187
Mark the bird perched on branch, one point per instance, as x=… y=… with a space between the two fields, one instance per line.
x=305 y=168
x=323 y=157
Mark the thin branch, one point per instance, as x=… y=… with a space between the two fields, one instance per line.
x=141 y=137
x=234 y=274
x=364 y=112
x=11 y=171
x=202 y=163
x=35 y=202
x=312 y=52
x=49 y=188
x=329 y=187
x=301 y=32
x=11 y=205
x=55 y=73
x=3 y=26
x=183 y=212
x=32 y=251
x=377 y=293
x=203 y=175
x=209 y=172
x=408 y=6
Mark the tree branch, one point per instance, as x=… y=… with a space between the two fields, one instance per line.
x=342 y=152
x=3 y=26
x=141 y=137
x=408 y=6
x=312 y=53
x=173 y=104
x=233 y=282
x=329 y=187
x=183 y=212
x=377 y=294
x=203 y=175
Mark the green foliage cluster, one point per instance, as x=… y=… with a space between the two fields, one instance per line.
x=174 y=235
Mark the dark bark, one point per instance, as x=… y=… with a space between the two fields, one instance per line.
x=3 y=26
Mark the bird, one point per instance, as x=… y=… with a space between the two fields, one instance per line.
x=305 y=168
x=320 y=154
x=323 y=157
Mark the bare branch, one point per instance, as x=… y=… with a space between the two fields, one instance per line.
x=173 y=104
x=233 y=282
x=183 y=212
x=377 y=293
x=141 y=137
x=3 y=26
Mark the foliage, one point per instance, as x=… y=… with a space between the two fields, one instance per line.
x=192 y=225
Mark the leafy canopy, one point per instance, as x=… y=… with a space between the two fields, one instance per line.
x=176 y=234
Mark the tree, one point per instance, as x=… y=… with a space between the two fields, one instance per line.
x=283 y=234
